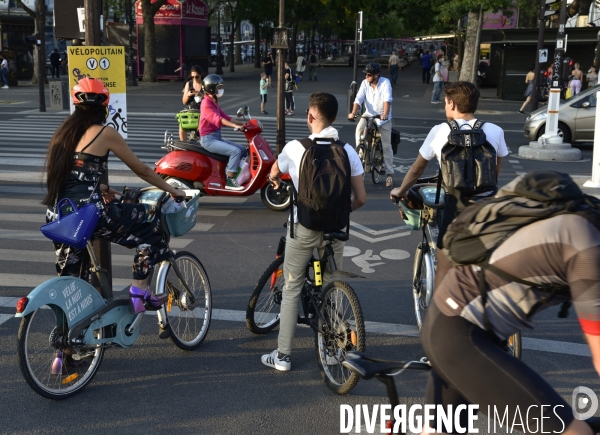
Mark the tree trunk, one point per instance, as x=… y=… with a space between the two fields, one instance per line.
x=232 y=46
x=238 y=47
x=468 y=67
x=148 y=11
x=257 y=59
x=293 y=55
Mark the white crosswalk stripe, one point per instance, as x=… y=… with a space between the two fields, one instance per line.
x=145 y=136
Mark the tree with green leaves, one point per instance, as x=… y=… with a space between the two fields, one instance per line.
x=149 y=10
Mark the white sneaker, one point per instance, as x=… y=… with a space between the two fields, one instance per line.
x=277 y=361
x=335 y=359
x=4 y=87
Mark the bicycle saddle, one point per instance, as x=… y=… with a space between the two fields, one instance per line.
x=335 y=235
x=367 y=367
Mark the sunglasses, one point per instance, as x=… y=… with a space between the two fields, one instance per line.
x=196 y=77
x=369 y=74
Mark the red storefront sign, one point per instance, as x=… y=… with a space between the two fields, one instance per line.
x=174 y=10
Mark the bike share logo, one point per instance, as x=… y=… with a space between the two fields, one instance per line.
x=584 y=398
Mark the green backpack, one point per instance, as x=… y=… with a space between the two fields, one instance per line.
x=480 y=228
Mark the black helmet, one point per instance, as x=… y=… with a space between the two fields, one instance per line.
x=211 y=83
x=372 y=68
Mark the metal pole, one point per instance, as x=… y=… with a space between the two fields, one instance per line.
x=540 y=47
x=41 y=44
x=597 y=60
x=132 y=77
x=354 y=85
x=92 y=38
x=219 y=69
x=280 y=86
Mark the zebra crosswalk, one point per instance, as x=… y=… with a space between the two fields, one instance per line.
x=25 y=138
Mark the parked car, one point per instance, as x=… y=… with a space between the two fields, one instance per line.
x=576 y=118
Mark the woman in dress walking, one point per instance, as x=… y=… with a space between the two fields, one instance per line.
x=529 y=90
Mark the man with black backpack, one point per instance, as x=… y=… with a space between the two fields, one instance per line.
x=324 y=195
x=534 y=245
x=469 y=151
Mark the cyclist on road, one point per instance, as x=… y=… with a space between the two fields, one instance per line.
x=469 y=365
x=77 y=157
x=321 y=113
x=461 y=103
x=376 y=92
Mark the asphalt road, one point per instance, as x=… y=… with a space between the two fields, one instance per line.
x=222 y=388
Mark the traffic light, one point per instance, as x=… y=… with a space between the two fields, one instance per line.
x=567 y=67
x=550 y=8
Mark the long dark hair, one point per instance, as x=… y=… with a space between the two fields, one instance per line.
x=59 y=160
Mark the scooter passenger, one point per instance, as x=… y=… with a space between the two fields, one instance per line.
x=212 y=118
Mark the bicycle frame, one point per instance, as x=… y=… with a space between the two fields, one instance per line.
x=430 y=231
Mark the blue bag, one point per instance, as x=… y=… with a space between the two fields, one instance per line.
x=74 y=229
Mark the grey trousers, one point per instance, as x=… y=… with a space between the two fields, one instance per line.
x=297 y=254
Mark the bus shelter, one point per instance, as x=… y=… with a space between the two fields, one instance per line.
x=182 y=36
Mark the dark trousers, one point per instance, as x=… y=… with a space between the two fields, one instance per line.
x=426 y=74
x=55 y=70
x=394 y=73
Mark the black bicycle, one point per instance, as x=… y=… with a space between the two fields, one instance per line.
x=333 y=312
x=370 y=149
x=385 y=370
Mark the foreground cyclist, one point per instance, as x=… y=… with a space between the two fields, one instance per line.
x=321 y=113
x=463 y=341
x=77 y=157
x=376 y=92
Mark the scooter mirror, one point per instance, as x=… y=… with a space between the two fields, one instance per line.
x=246 y=110
x=240 y=113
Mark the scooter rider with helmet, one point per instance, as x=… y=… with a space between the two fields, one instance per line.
x=376 y=92
x=212 y=118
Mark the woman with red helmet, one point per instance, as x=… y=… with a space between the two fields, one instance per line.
x=77 y=157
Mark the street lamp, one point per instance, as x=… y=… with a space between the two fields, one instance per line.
x=219 y=61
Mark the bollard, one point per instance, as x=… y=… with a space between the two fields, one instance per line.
x=595 y=181
x=59 y=95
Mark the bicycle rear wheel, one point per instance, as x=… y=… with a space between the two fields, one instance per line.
x=262 y=314
x=189 y=320
x=50 y=367
x=423 y=276
x=377 y=161
x=342 y=330
x=514 y=345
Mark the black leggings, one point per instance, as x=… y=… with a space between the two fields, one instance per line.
x=289 y=101
x=471 y=368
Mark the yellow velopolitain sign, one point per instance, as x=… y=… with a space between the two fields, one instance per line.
x=106 y=63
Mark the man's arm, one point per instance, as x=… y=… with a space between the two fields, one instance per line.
x=386 y=111
x=498 y=166
x=359 y=195
x=411 y=177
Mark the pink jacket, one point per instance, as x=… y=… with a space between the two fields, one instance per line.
x=210 y=116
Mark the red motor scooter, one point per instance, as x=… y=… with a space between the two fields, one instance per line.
x=190 y=166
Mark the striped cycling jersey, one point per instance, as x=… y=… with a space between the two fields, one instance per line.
x=564 y=249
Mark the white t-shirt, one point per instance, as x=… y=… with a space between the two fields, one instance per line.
x=438 y=68
x=375 y=98
x=438 y=136
x=4 y=64
x=290 y=158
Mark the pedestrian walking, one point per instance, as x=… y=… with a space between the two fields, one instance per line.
x=55 y=63
x=529 y=78
x=426 y=64
x=312 y=66
x=300 y=65
x=393 y=66
x=4 y=71
x=289 y=90
x=268 y=63
x=263 y=92
x=438 y=80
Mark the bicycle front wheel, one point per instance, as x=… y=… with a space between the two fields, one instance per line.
x=262 y=314
x=50 y=367
x=377 y=161
x=361 y=150
x=189 y=318
x=514 y=345
x=341 y=329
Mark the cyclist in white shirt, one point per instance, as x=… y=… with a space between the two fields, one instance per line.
x=376 y=92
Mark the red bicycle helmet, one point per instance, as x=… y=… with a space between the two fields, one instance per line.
x=89 y=91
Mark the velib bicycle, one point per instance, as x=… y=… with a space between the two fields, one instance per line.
x=421 y=210
x=370 y=149
x=333 y=312
x=67 y=324
x=385 y=370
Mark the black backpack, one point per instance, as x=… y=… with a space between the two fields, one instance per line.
x=313 y=58
x=324 y=189
x=480 y=228
x=468 y=163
